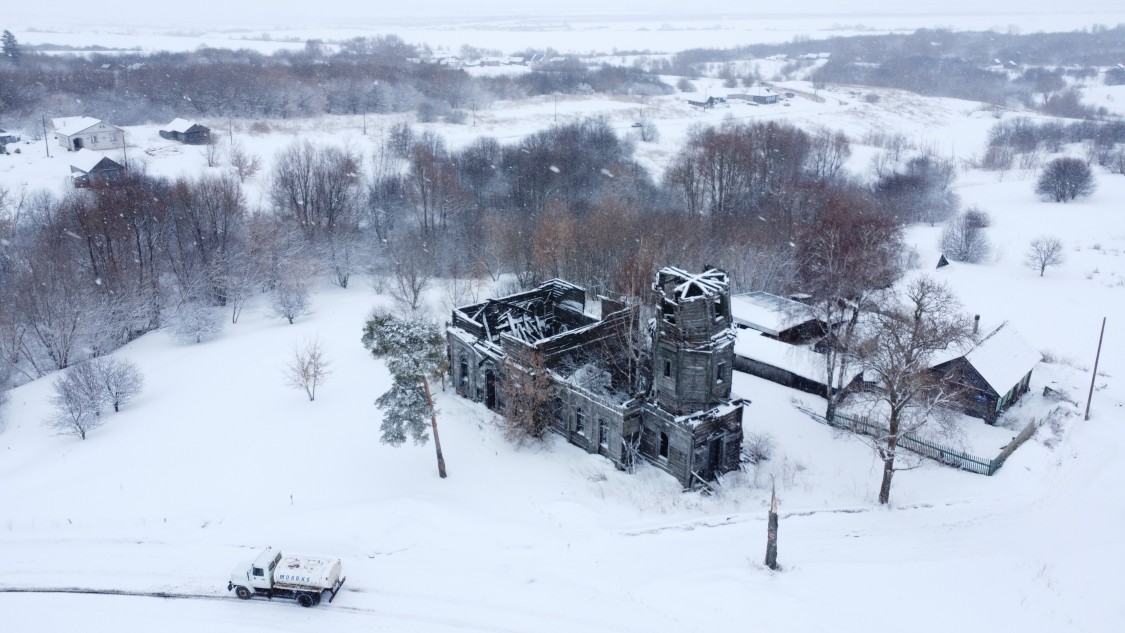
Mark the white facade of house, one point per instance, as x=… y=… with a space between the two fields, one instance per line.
x=83 y=132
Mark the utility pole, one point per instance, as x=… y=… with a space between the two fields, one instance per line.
x=365 y=122
x=1094 y=376
x=230 y=130
x=46 y=145
x=556 y=95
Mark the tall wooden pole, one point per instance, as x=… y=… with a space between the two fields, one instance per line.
x=771 y=532
x=46 y=145
x=1094 y=376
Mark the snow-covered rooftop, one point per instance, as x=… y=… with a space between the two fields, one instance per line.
x=766 y=312
x=180 y=125
x=1003 y=358
x=86 y=160
x=69 y=125
x=794 y=359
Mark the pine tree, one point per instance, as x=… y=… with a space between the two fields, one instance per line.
x=11 y=47
x=414 y=352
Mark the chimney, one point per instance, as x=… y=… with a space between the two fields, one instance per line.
x=976 y=323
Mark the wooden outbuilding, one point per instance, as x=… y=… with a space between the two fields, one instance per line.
x=187 y=132
x=91 y=168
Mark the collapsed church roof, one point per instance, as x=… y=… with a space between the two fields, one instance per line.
x=553 y=308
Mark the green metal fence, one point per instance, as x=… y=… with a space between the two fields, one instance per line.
x=944 y=454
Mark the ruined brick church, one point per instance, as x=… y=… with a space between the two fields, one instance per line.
x=685 y=423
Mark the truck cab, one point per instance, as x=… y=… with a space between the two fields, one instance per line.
x=257 y=574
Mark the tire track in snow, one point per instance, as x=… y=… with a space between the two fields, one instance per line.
x=335 y=608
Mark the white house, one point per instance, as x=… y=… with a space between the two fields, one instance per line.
x=78 y=132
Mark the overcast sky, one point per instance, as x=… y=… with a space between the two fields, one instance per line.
x=171 y=14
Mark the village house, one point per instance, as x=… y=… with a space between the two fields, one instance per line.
x=83 y=132
x=686 y=424
x=187 y=132
x=992 y=374
x=91 y=168
x=8 y=137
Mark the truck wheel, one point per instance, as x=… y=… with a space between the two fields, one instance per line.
x=304 y=599
x=243 y=593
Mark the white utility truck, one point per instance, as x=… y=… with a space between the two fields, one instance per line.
x=274 y=575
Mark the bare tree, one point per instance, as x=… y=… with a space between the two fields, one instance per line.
x=1044 y=251
x=77 y=401
x=1065 y=179
x=289 y=299
x=308 y=368
x=118 y=380
x=964 y=237
x=212 y=151
x=243 y=164
x=830 y=150
x=317 y=188
x=193 y=320
x=845 y=257
x=896 y=353
x=413 y=271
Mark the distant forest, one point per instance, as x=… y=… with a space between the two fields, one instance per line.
x=374 y=75
x=997 y=68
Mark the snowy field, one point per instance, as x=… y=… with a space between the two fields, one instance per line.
x=575 y=31
x=201 y=469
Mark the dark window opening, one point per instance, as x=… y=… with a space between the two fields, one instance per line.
x=720 y=372
x=664 y=446
x=579 y=422
x=669 y=312
x=667 y=368
x=603 y=433
x=464 y=373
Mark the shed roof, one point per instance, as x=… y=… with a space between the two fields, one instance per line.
x=1003 y=358
x=180 y=125
x=794 y=359
x=766 y=312
x=87 y=160
x=70 y=125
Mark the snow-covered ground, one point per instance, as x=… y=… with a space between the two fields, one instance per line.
x=218 y=456
x=515 y=30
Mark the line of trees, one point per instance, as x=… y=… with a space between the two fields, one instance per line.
x=379 y=74
x=94 y=268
